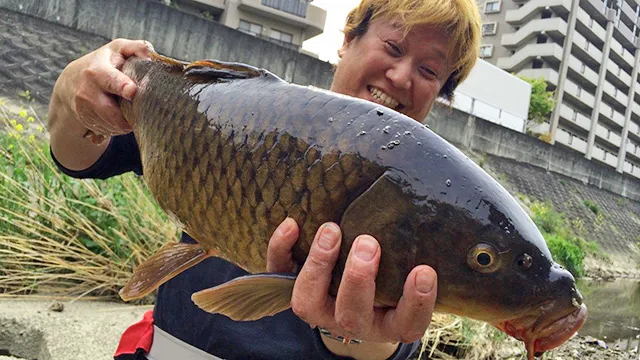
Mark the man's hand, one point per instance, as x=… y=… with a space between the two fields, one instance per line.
x=352 y=313
x=84 y=98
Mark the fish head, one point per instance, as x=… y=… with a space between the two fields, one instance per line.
x=499 y=269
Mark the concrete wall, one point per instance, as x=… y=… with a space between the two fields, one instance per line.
x=469 y=132
x=177 y=34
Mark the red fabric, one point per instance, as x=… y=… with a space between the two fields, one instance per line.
x=137 y=336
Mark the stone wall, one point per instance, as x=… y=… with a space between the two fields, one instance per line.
x=175 y=33
x=469 y=132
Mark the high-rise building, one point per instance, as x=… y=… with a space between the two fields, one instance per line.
x=588 y=53
x=285 y=22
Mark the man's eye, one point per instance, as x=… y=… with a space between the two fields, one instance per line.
x=428 y=72
x=394 y=49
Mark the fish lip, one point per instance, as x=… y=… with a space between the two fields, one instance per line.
x=548 y=330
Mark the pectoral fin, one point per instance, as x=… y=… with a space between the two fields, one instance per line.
x=248 y=297
x=172 y=259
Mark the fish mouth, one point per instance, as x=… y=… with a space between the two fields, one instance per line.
x=546 y=331
x=384 y=99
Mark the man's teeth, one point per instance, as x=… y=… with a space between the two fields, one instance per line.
x=383 y=99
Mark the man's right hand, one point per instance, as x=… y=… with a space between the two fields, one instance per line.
x=84 y=98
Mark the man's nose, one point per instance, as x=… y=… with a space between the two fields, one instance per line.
x=400 y=74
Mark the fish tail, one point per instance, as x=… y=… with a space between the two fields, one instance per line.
x=248 y=298
x=169 y=261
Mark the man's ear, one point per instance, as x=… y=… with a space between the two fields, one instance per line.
x=348 y=39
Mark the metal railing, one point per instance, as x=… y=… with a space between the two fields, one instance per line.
x=295 y=7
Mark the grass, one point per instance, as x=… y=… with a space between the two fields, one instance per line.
x=566 y=247
x=65 y=237
x=592 y=206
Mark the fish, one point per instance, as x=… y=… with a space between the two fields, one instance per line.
x=229 y=151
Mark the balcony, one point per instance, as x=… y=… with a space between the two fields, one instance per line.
x=618 y=77
x=622 y=57
x=581 y=99
x=533 y=8
x=216 y=6
x=548 y=74
x=299 y=14
x=575 y=117
x=618 y=99
x=556 y=28
x=590 y=28
x=583 y=74
x=612 y=117
x=608 y=135
x=585 y=51
x=552 y=53
x=624 y=35
x=571 y=141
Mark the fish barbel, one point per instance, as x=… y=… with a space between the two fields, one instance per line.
x=229 y=151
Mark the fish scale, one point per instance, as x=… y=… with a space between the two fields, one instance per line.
x=230 y=151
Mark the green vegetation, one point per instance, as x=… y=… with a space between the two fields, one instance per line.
x=567 y=248
x=542 y=101
x=62 y=236
x=592 y=206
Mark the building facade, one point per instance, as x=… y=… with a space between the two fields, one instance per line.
x=588 y=53
x=285 y=22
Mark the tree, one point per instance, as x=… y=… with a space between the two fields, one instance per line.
x=542 y=101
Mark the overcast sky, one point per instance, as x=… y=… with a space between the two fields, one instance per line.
x=326 y=45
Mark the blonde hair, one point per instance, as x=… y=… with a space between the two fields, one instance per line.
x=459 y=18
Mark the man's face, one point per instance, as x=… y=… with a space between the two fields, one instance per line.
x=402 y=73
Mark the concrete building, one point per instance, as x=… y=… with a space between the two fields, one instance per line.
x=285 y=22
x=588 y=53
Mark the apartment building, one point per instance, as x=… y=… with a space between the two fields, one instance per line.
x=587 y=51
x=287 y=23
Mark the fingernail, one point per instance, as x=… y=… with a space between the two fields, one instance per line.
x=424 y=281
x=366 y=248
x=128 y=90
x=328 y=236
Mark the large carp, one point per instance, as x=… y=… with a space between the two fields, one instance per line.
x=229 y=151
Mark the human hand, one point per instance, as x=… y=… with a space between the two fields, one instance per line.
x=352 y=313
x=87 y=87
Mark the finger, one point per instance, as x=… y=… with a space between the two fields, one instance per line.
x=111 y=80
x=354 y=303
x=279 y=257
x=310 y=299
x=410 y=319
x=109 y=111
x=128 y=48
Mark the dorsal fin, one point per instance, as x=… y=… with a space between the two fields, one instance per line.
x=168 y=61
x=214 y=69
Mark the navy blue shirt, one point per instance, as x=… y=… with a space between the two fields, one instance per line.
x=283 y=336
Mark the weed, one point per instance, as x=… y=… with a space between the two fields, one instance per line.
x=25 y=95
x=592 y=206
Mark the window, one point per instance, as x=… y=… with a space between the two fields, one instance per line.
x=281 y=36
x=536 y=64
x=486 y=51
x=491 y=7
x=489 y=28
x=250 y=28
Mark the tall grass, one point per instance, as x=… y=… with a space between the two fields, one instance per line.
x=65 y=237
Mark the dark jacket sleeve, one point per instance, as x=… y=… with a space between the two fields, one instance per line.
x=122 y=155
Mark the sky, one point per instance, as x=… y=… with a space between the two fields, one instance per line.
x=326 y=45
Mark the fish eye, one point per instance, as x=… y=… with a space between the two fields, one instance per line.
x=483 y=258
x=525 y=261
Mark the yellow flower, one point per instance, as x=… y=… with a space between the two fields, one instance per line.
x=31 y=119
x=19 y=127
x=10 y=146
x=40 y=129
x=23 y=113
x=32 y=137
x=13 y=122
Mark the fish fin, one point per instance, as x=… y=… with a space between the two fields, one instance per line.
x=169 y=261
x=247 y=298
x=388 y=213
x=168 y=61
x=221 y=70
